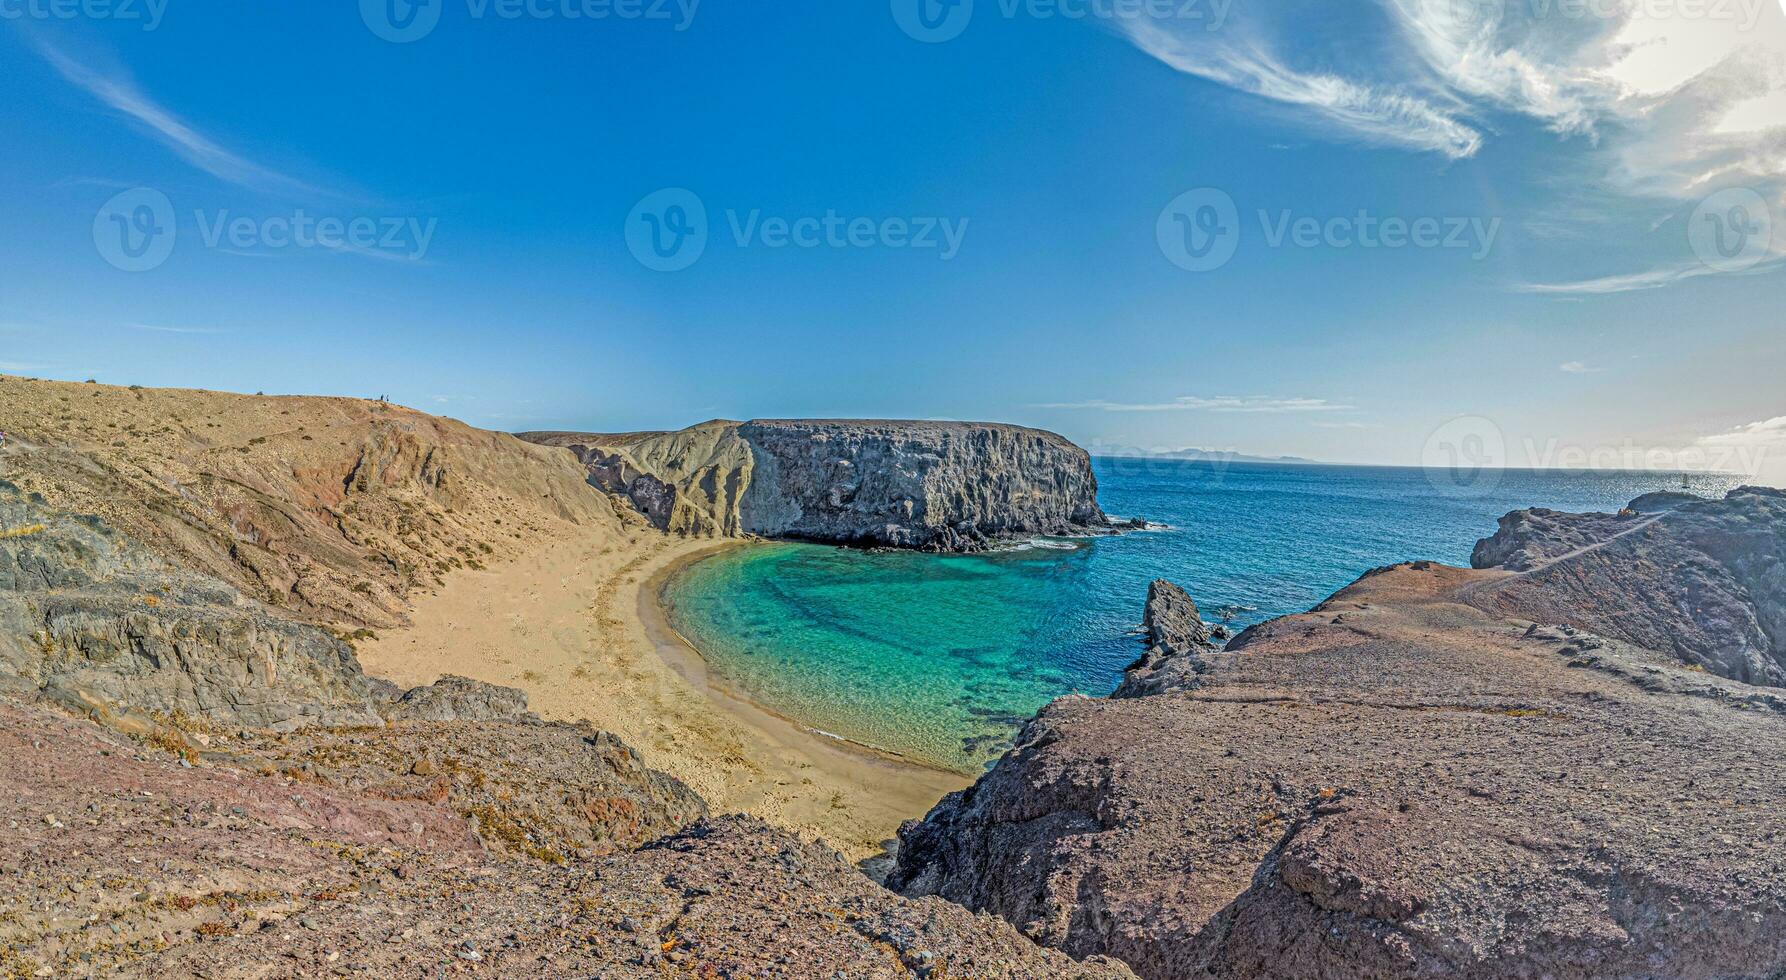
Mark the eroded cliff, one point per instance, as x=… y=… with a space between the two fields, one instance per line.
x=936 y=486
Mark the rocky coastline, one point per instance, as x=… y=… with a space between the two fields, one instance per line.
x=1561 y=763
x=929 y=486
x=1437 y=772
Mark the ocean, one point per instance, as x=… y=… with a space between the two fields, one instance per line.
x=941 y=658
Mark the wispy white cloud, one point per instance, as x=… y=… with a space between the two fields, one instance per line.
x=1250 y=404
x=1656 y=278
x=1577 y=367
x=1652 y=112
x=122 y=95
x=1487 y=55
x=1373 y=113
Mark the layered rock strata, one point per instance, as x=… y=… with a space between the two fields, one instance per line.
x=935 y=486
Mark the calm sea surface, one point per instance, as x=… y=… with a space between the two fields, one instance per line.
x=940 y=658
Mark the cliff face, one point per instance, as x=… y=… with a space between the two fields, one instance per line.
x=936 y=486
x=1704 y=580
x=1414 y=781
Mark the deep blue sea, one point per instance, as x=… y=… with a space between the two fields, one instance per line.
x=941 y=658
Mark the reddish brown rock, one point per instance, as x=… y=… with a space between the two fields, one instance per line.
x=1398 y=784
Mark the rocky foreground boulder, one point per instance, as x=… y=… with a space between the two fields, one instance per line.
x=431 y=849
x=935 y=486
x=1414 y=780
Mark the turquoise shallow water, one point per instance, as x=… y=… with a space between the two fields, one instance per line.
x=941 y=658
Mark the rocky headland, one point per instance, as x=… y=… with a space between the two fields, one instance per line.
x=1437 y=772
x=933 y=486
x=1702 y=580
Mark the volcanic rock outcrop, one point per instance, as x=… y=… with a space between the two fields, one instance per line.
x=1176 y=640
x=1704 y=580
x=935 y=486
x=89 y=616
x=1413 y=780
x=423 y=849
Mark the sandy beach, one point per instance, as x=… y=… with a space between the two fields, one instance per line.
x=579 y=627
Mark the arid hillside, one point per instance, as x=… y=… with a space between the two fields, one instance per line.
x=333 y=509
x=432 y=548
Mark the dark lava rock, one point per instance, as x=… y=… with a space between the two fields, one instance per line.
x=1704 y=581
x=1176 y=639
x=1172 y=620
x=933 y=486
x=1399 y=784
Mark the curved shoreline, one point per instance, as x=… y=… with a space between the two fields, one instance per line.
x=904 y=788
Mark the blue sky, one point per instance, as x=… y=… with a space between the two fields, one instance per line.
x=1013 y=198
